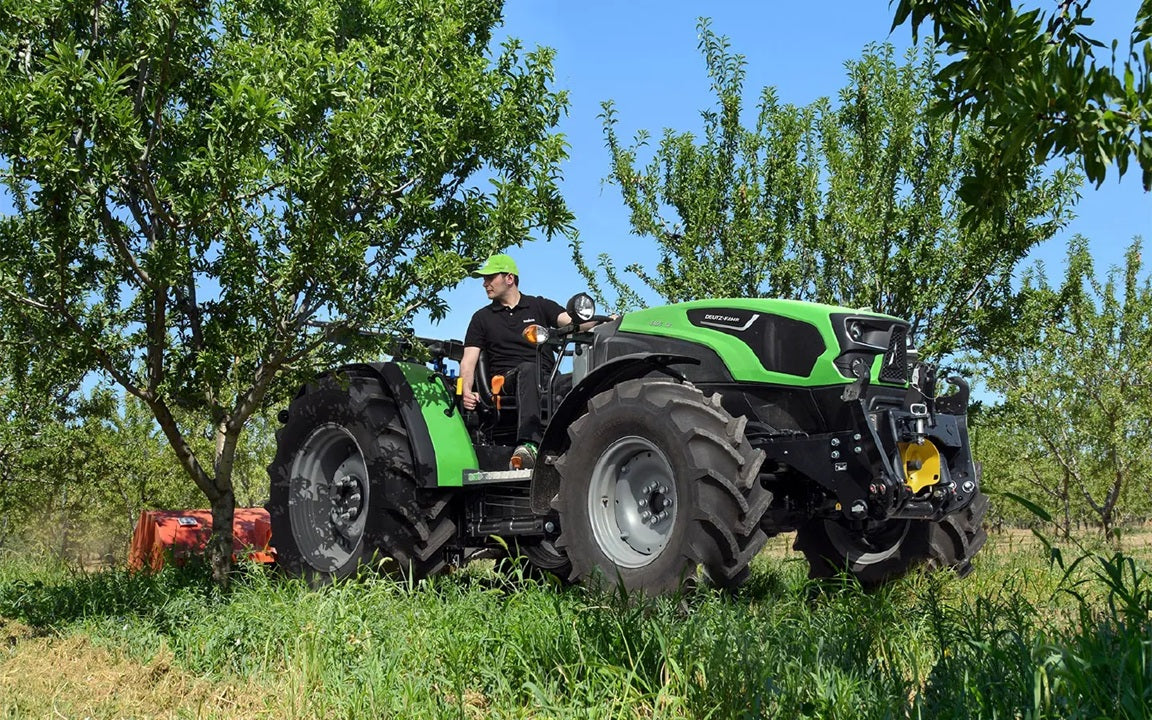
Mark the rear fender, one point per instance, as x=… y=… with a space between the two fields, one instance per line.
x=441 y=447
x=545 y=480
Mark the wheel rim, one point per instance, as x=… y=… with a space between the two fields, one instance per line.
x=544 y=554
x=329 y=493
x=632 y=503
x=874 y=545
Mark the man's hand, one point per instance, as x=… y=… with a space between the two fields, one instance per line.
x=468 y=396
x=470 y=399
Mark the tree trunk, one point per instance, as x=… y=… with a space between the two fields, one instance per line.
x=224 y=504
x=1066 y=501
x=220 y=542
x=64 y=520
x=217 y=489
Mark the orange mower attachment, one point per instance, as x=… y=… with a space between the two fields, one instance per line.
x=180 y=534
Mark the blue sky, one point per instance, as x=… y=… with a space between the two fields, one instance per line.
x=643 y=55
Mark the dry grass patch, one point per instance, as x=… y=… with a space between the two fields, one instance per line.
x=70 y=677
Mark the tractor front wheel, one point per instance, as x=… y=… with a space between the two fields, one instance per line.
x=659 y=480
x=889 y=550
x=535 y=557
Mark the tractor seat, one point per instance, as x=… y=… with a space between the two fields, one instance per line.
x=499 y=408
x=491 y=387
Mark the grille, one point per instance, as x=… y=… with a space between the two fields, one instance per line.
x=895 y=367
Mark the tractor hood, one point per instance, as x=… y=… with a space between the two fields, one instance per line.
x=783 y=341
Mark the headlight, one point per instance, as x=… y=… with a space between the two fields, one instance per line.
x=867 y=331
x=855 y=331
x=581 y=307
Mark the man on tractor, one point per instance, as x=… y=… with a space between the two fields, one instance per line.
x=496 y=329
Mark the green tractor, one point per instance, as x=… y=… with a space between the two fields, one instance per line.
x=686 y=436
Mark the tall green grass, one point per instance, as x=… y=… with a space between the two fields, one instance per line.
x=1018 y=639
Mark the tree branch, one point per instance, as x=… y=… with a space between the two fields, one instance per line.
x=102 y=355
x=184 y=452
x=117 y=240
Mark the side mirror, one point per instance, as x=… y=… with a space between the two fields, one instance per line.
x=581 y=307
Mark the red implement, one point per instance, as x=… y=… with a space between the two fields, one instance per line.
x=180 y=534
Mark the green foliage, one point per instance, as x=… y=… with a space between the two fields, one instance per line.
x=1073 y=372
x=74 y=482
x=1033 y=77
x=852 y=203
x=197 y=183
x=1007 y=642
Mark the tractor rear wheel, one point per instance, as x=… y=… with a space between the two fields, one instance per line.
x=657 y=481
x=343 y=490
x=889 y=550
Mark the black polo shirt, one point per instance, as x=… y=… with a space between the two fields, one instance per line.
x=497 y=329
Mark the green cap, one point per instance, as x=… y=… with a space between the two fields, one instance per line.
x=496 y=264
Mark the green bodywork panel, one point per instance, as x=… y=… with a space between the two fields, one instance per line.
x=672 y=321
x=450 y=440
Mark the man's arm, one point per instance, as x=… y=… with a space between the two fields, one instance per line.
x=468 y=376
x=565 y=319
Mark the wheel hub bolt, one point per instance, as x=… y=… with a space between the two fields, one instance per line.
x=667 y=502
x=661 y=489
x=642 y=502
x=645 y=515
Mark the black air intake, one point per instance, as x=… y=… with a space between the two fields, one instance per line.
x=895 y=366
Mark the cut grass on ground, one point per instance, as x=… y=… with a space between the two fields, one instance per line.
x=1012 y=640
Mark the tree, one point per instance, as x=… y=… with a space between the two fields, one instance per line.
x=1015 y=462
x=854 y=205
x=74 y=477
x=23 y=419
x=1074 y=374
x=33 y=416
x=1033 y=79
x=207 y=192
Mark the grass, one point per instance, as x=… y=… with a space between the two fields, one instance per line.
x=1020 y=638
